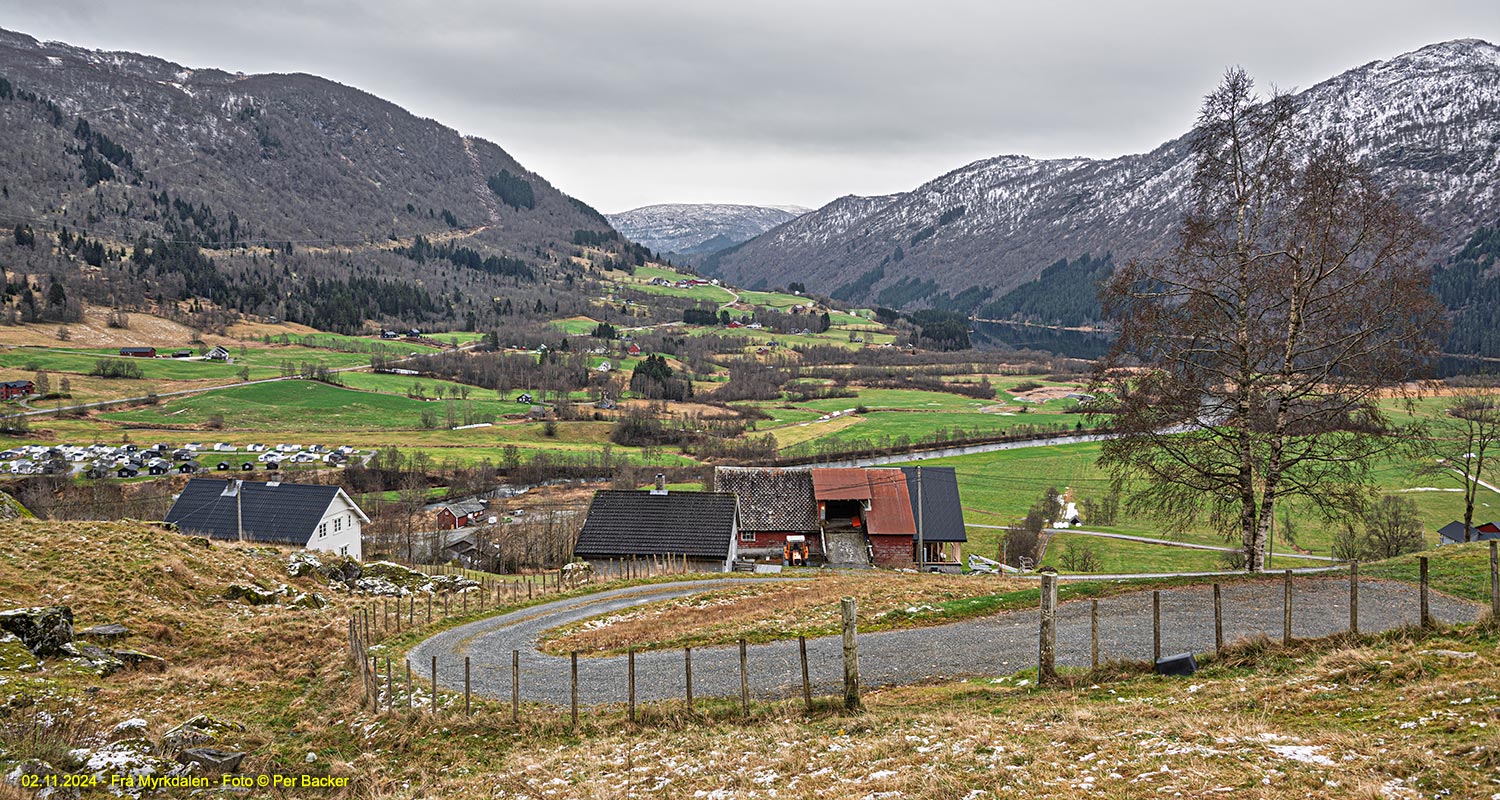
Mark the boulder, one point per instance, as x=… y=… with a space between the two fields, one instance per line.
x=311 y=600
x=133 y=728
x=136 y=658
x=92 y=659
x=129 y=759
x=210 y=759
x=253 y=595
x=43 y=630
x=110 y=631
x=14 y=657
x=200 y=730
x=200 y=541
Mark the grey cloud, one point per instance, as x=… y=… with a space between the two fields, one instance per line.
x=628 y=103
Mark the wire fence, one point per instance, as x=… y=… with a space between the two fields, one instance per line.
x=1194 y=618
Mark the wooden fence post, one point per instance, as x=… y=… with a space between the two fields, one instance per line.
x=744 y=680
x=1494 y=581
x=573 y=656
x=515 y=686
x=806 y=684
x=1354 y=597
x=407 y=662
x=630 y=669
x=429 y=608
x=1286 y=608
x=1218 y=620
x=434 y=685
x=1426 y=615
x=687 y=666
x=1155 y=625
x=1047 y=635
x=851 y=655
x=411 y=612
x=466 y=686
x=1094 y=634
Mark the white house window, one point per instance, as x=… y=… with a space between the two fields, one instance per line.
x=338 y=524
x=344 y=550
x=747 y=536
x=322 y=530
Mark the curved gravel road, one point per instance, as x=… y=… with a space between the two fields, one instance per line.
x=994 y=645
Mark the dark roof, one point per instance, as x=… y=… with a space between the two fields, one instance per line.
x=771 y=499
x=942 y=513
x=622 y=523
x=465 y=508
x=16 y=384
x=1454 y=532
x=138 y=349
x=285 y=513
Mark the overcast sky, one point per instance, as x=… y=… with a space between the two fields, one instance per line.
x=630 y=102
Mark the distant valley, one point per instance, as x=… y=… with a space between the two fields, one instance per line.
x=688 y=231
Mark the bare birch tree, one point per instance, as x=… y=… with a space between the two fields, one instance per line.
x=1462 y=440
x=1252 y=355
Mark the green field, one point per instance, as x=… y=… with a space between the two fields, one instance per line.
x=998 y=487
x=295 y=406
x=82 y=362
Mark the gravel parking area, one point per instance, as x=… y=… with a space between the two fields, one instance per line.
x=995 y=645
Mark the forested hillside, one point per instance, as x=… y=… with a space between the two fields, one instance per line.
x=130 y=181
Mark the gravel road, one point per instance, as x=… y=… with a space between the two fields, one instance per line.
x=995 y=645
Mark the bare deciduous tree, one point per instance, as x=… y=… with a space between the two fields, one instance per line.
x=1252 y=355
x=1461 y=442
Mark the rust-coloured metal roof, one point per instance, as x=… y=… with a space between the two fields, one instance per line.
x=890 y=503
x=848 y=483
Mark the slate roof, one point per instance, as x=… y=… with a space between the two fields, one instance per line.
x=942 y=512
x=621 y=523
x=771 y=499
x=285 y=513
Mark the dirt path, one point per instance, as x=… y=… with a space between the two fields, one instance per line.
x=996 y=645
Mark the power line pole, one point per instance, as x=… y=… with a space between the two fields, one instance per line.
x=921 y=541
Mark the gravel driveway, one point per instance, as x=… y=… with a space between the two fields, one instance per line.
x=995 y=645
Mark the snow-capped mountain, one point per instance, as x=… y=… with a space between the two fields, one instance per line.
x=686 y=229
x=1427 y=123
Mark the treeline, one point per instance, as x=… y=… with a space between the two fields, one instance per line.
x=513 y=190
x=1066 y=294
x=1468 y=286
x=421 y=249
x=554 y=372
x=98 y=154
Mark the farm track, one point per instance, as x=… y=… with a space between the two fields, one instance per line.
x=995 y=645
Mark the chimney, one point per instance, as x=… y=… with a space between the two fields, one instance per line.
x=661 y=484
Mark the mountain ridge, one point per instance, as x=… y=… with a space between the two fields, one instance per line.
x=1427 y=121
x=699 y=229
x=327 y=182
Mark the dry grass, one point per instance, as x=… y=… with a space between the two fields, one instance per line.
x=1382 y=716
x=145 y=330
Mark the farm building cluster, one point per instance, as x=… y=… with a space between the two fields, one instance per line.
x=896 y=517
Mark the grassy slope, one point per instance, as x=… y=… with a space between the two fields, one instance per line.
x=1378 y=710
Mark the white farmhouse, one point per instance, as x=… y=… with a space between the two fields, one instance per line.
x=269 y=512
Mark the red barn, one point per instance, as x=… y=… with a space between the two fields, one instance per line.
x=10 y=390
x=460 y=514
x=138 y=352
